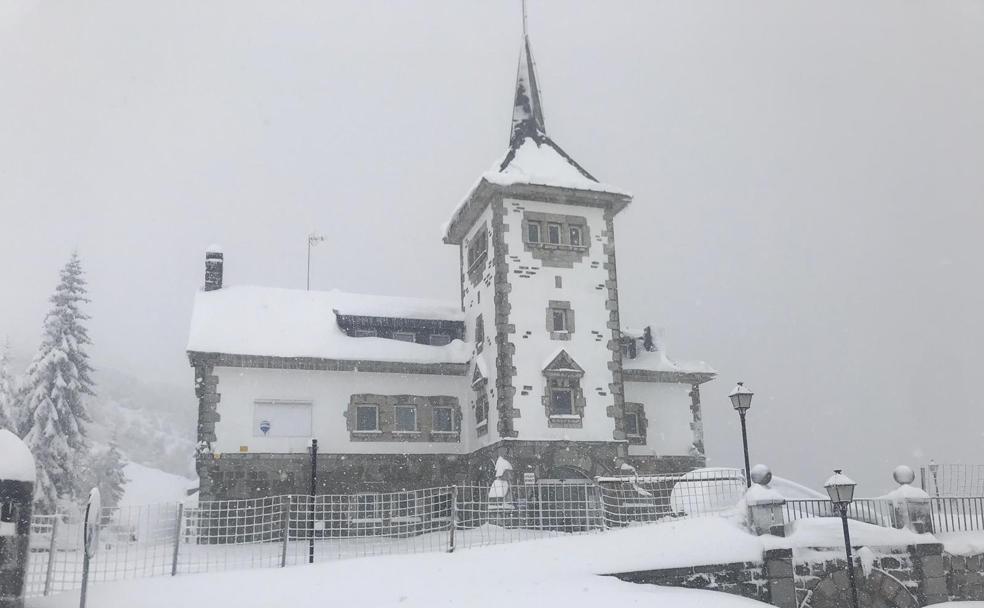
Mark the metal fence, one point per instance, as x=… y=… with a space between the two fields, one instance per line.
x=869 y=510
x=953 y=480
x=278 y=531
x=957 y=514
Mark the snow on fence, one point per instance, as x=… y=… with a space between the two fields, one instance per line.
x=279 y=531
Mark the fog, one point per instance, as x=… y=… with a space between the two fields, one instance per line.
x=807 y=177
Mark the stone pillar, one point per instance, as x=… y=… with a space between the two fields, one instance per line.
x=911 y=504
x=778 y=573
x=16 y=497
x=929 y=571
x=765 y=505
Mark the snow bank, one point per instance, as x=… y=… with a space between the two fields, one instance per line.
x=532 y=574
x=267 y=321
x=16 y=461
x=829 y=532
x=962 y=543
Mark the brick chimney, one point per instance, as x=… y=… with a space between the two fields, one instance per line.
x=213 y=268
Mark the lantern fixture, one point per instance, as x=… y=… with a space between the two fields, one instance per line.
x=741 y=398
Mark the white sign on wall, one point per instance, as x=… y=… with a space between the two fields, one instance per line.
x=280 y=418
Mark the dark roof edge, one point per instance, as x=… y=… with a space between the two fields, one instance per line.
x=331 y=365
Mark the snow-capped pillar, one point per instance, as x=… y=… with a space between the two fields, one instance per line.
x=16 y=496
x=213 y=268
x=765 y=505
x=912 y=505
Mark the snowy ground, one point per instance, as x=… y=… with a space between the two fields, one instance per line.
x=536 y=573
x=533 y=574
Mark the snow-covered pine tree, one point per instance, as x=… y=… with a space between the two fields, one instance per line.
x=7 y=413
x=51 y=403
x=106 y=472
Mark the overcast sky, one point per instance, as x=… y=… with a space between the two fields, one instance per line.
x=807 y=175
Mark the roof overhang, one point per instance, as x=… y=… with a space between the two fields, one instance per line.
x=646 y=375
x=485 y=191
x=330 y=365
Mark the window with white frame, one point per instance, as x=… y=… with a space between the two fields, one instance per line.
x=364 y=333
x=533 y=232
x=366 y=418
x=281 y=418
x=443 y=420
x=440 y=339
x=405 y=420
x=576 y=236
x=405 y=336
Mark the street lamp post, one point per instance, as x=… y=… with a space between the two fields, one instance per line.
x=840 y=488
x=313 y=239
x=741 y=400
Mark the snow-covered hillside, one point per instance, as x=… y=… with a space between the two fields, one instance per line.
x=154 y=423
x=148 y=486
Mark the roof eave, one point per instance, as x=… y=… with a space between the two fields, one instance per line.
x=485 y=191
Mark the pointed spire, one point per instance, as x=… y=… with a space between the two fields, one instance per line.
x=527 y=120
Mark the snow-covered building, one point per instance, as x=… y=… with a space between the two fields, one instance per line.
x=532 y=365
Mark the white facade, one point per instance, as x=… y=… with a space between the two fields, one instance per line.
x=329 y=394
x=668 y=412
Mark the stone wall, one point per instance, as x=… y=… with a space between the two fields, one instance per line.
x=746 y=579
x=893 y=577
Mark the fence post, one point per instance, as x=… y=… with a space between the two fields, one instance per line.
x=52 y=549
x=454 y=517
x=285 y=506
x=177 y=539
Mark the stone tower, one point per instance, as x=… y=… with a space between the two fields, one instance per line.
x=539 y=289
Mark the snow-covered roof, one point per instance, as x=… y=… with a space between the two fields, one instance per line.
x=16 y=461
x=539 y=161
x=532 y=158
x=657 y=361
x=269 y=321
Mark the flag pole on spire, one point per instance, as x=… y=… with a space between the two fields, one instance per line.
x=525 y=35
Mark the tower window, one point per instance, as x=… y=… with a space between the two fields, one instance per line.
x=576 y=240
x=632 y=425
x=561 y=402
x=478 y=248
x=559 y=320
x=481 y=407
x=553 y=233
x=533 y=232
x=479 y=332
